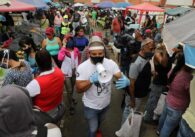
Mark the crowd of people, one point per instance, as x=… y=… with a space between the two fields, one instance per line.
x=36 y=82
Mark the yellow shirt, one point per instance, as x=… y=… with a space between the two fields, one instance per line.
x=189 y=115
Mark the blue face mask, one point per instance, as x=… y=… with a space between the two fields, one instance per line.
x=189 y=53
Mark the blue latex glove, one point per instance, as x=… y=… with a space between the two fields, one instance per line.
x=94 y=78
x=122 y=82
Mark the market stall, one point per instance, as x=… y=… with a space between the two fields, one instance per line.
x=141 y=9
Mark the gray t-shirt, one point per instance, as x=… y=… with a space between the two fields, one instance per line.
x=136 y=67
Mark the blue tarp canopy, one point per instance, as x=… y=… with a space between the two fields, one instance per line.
x=39 y=4
x=177 y=11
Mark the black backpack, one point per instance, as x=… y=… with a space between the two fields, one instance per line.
x=143 y=80
x=76 y=17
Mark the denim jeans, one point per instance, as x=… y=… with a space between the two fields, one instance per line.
x=127 y=109
x=94 y=118
x=169 y=120
x=185 y=130
x=69 y=89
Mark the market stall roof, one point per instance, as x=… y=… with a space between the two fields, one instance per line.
x=40 y=4
x=17 y=6
x=177 y=11
x=146 y=7
x=181 y=29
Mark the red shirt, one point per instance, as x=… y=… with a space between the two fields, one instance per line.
x=116 y=26
x=51 y=90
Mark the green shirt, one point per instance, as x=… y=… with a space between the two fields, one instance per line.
x=94 y=14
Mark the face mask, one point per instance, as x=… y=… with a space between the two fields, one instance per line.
x=148 y=55
x=96 y=60
x=27 y=50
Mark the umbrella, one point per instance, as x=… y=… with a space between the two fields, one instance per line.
x=17 y=6
x=180 y=30
x=4 y=2
x=78 y=5
x=2 y=18
x=47 y=1
x=106 y=4
x=40 y=4
x=122 y=4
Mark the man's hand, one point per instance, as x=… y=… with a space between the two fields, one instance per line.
x=122 y=82
x=94 y=78
x=132 y=103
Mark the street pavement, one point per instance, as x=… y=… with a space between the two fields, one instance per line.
x=76 y=126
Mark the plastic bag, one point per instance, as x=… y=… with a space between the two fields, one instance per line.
x=132 y=125
x=159 y=108
x=4 y=66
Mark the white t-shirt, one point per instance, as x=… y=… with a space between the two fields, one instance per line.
x=69 y=64
x=33 y=87
x=91 y=97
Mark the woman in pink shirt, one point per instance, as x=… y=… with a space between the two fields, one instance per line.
x=178 y=97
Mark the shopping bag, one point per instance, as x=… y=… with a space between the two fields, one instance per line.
x=4 y=67
x=131 y=127
x=160 y=105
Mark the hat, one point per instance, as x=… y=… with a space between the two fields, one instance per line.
x=49 y=31
x=65 y=17
x=97 y=33
x=96 y=43
x=148 y=31
x=146 y=41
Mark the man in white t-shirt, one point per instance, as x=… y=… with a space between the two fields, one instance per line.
x=96 y=97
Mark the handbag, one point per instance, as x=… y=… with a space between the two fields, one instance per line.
x=132 y=125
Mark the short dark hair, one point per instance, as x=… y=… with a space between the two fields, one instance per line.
x=43 y=59
x=29 y=41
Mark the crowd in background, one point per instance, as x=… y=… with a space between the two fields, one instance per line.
x=52 y=65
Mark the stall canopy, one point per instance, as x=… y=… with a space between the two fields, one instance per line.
x=39 y=4
x=17 y=6
x=146 y=7
x=177 y=11
x=180 y=30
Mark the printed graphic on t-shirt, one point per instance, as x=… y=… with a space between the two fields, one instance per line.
x=103 y=88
